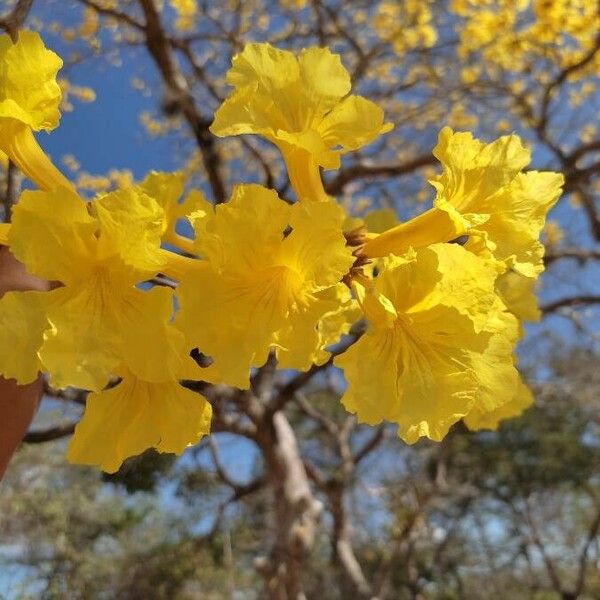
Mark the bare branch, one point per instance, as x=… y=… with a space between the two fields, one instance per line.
x=114 y=13
x=12 y=22
x=574 y=301
x=370 y=445
x=359 y=171
x=48 y=435
x=592 y=533
x=578 y=254
x=159 y=48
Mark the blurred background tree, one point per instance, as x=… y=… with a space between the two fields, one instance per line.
x=291 y=498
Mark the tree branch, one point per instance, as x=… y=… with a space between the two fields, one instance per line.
x=47 y=435
x=159 y=48
x=359 y=171
x=573 y=301
x=12 y=22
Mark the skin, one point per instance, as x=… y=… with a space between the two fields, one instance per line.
x=18 y=403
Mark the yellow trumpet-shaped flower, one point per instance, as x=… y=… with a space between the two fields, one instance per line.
x=434 y=348
x=29 y=101
x=269 y=276
x=97 y=318
x=301 y=105
x=482 y=192
x=136 y=415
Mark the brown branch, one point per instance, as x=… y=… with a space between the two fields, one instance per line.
x=370 y=445
x=181 y=98
x=578 y=254
x=48 y=435
x=309 y=410
x=592 y=533
x=574 y=301
x=245 y=490
x=9 y=196
x=359 y=171
x=12 y=22
x=237 y=487
x=114 y=13
x=561 y=77
x=538 y=543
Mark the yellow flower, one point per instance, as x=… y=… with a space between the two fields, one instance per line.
x=29 y=101
x=97 y=319
x=435 y=348
x=267 y=279
x=302 y=106
x=553 y=233
x=22 y=322
x=167 y=190
x=136 y=415
x=186 y=12
x=483 y=193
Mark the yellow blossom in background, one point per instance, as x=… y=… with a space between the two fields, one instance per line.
x=29 y=101
x=434 y=348
x=81 y=93
x=186 y=12
x=267 y=278
x=515 y=35
x=302 y=105
x=407 y=26
x=71 y=162
x=89 y=24
x=553 y=234
x=157 y=127
x=293 y=4
x=136 y=415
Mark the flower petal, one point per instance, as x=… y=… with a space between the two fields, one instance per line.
x=22 y=324
x=134 y=416
x=52 y=234
x=29 y=92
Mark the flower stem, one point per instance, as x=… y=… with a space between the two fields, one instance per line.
x=18 y=142
x=430 y=227
x=177 y=266
x=180 y=242
x=304 y=175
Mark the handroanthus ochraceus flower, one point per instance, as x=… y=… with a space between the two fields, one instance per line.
x=97 y=318
x=483 y=193
x=301 y=104
x=438 y=346
x=268 y=276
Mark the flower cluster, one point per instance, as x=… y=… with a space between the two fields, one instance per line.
x=440 y=296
